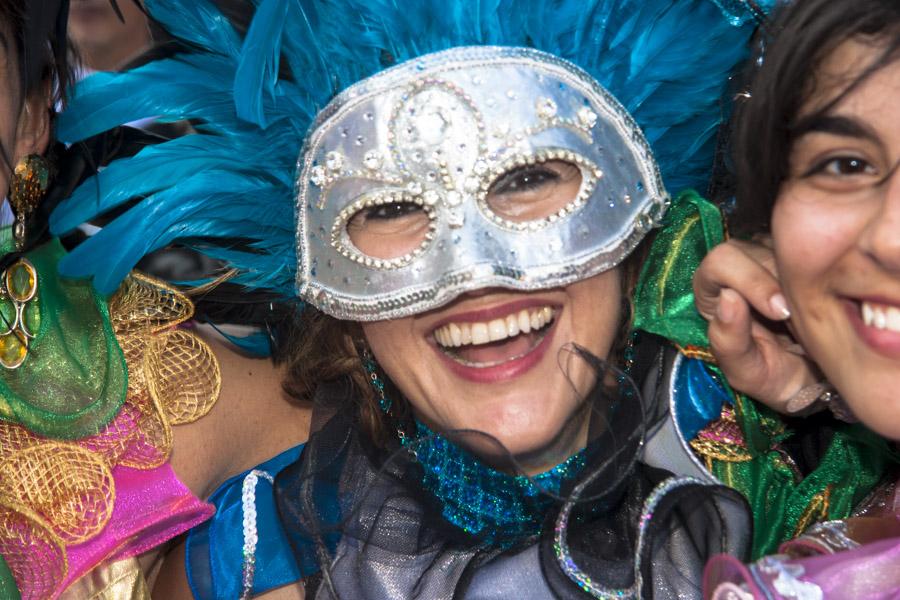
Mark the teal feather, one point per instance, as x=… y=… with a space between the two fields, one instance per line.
x=198 y=22
x=257 y=71
x=227 y=190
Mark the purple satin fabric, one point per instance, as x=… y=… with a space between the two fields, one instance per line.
x=151 y=507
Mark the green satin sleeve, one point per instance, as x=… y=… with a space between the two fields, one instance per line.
x=783 y=501
x=73 y=379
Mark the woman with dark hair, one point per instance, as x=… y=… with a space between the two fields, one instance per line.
x=91 y=385
x=817 y=150
x=465 y=225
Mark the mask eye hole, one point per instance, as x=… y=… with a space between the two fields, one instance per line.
x=534 y=189
x=390 y=227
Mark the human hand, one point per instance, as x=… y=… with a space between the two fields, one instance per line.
x=736 y=290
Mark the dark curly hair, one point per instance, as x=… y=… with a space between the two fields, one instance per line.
x=790 y=50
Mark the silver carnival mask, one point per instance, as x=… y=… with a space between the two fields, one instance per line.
x=445 y=175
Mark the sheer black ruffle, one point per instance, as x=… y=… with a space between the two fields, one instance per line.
x=358 y=516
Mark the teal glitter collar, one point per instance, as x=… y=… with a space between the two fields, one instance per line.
x=497 y=508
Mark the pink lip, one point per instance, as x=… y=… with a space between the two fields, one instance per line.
x=495 y=312
x=882 y=341
x=504 y=371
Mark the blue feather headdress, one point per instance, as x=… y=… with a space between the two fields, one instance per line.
x=228 y=189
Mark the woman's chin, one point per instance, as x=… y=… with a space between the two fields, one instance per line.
x=879 y=411
x=531 y=443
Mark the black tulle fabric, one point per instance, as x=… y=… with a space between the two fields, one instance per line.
x=362 y=527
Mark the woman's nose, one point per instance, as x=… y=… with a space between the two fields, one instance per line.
x=881 y=238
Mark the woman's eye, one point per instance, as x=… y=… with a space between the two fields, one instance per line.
x=393 y=210
x=843 y=166
x=523 y=179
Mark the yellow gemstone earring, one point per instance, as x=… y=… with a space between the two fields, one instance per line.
x=19 y=282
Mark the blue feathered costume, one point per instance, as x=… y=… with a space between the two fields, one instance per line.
x=228 y=190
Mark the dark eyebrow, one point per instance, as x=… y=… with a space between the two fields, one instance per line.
x=834 y=124
x=3 y=41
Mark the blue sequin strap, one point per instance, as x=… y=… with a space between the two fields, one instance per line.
x=243 y=550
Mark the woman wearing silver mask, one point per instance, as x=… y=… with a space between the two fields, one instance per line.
x=465 y=228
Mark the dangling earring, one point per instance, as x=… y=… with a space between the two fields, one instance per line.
x=19 y=282
x=384 y=402
x=31 y=179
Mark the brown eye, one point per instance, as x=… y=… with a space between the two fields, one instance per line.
x=846 y=166
x=389 y=230
x=535 y=191
x=524 y=179
x=393 y=211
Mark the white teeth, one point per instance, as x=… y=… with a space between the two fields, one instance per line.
x=497 y=330
x=454 y=335
x=524 y=321
x=893 y=319
x=480 y=333
x=881 y=317
x=512 y=325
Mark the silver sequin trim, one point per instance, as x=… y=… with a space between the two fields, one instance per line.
x=248 y=506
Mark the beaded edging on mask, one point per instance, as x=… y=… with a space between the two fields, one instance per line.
x=436 y=132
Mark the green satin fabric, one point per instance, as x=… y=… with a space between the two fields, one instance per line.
x=8 y=589
x=664 y=298
x=782 y=501
x=74 y=378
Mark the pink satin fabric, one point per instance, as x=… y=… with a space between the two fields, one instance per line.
x=870 y=572
x=151 y=507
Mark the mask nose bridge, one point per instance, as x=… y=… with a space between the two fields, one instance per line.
x=478 y=240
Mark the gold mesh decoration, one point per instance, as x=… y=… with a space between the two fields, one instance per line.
x=147 y=305
x=68 y=486
x=183 y=373
x=15 y=437
x=34 y=554
x=151 y=447
x=173 y=376
x=52 y=493
x=117 y=437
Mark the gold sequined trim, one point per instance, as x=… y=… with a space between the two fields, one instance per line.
x=55 y=493
x=698 y=353
x=815 y=511
x=722 y=440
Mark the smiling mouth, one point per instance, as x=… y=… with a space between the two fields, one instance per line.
x=485 y=344
x=880 y=316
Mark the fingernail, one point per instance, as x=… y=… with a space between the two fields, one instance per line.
x=725 y=308
x=779 y=305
